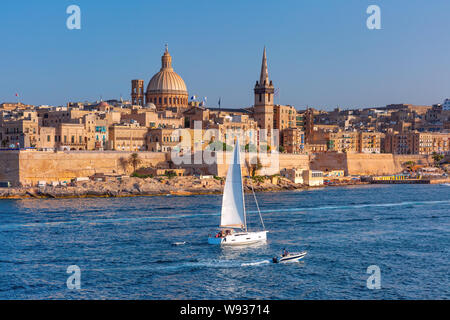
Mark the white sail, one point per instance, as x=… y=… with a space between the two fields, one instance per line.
x=233 y=208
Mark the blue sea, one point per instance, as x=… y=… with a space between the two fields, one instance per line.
x=124 y=246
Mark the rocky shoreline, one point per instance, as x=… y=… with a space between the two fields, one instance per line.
x=147 y=187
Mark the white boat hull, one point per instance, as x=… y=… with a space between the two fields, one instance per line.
x=292 y=257
x=239 y=238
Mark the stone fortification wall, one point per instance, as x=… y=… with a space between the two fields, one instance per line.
x=34 y=166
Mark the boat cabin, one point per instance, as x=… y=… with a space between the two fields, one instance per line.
x=224 y=232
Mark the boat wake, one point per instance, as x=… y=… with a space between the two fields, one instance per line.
x=255 y=263
x=172 y=266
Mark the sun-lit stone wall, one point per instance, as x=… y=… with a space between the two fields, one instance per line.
x=29 y=167
x=365 y=164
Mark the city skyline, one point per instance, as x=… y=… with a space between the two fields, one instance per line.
x=316 y=57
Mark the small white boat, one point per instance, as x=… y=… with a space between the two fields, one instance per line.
x=179 y=243
x=290 y=257
x=233 y=221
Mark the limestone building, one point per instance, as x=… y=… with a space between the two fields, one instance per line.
x=127 y=137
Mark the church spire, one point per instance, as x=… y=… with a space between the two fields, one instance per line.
x=264 y=78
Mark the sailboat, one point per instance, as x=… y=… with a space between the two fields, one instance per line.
x=233 y=221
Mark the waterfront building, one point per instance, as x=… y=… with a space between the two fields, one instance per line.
x=96 y=132
x=20 y=131
x=334 y=173
x=312 y=177
x=70 y=136
x=52 y=118
x=46 y=139
x=162 y=140
x=369 y=142
x=127 y=137
x=417 y=143
x=419 y=110
x=230 y=125
x=196 y=113
x=284 y=117
x=316 y=147
x=343 y=141
x=15 y=106
x=293 y=140
x=293 y=174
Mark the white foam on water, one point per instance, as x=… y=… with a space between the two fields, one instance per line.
x=255 y=263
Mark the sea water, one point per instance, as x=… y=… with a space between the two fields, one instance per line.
x=124 y=246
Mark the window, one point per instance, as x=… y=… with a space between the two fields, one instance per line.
x=48 y=138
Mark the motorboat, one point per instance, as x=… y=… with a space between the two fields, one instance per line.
x=289 y=257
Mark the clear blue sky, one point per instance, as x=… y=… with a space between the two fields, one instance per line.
x=320 y=53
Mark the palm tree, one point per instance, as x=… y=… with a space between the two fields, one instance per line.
x=134 y=160
x=254 y=167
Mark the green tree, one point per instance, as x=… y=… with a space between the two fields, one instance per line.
x=219 y=146
x=170 y=174
x=409 y=163
x=249 y=147
x=437 y=158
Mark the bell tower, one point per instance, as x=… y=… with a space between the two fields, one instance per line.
x=137 y=92
x=264 y=90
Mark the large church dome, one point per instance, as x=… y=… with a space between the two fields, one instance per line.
x=167 y=88
x=166 y=81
